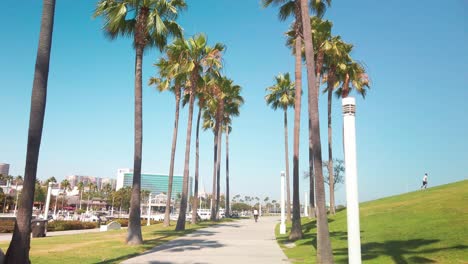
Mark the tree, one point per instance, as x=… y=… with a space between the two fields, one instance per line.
x=336 y=56
x=338 y=172
x=81 y=188
x=51 y=179
x=18 y=251
x=232 y=102
x=197 y=58
x=150 y=23
x=170 y=78
x=292 y=8
x=324 y=250
x=65 y=185
x=282 y=95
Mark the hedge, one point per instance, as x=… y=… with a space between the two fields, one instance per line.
x=70 y=225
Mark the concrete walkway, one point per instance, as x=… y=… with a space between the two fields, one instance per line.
x=238 y=242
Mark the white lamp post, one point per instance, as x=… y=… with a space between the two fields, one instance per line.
x=46 y=210
x=149 y=210
x=283 y=224
x=352 y=199
x=306 y=207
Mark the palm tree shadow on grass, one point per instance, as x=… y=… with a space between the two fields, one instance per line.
x=397 y=249
x=167 y=236
x=310 y=238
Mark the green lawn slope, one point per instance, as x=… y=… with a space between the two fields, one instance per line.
x=426 y=226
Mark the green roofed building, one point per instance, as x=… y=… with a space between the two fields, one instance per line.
x=154 y=182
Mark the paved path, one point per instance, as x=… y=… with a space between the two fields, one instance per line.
x=238 y=242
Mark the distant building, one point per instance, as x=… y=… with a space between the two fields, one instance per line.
x=4 y=169
x=111 y=182
x=155 y=183
x=99 y=182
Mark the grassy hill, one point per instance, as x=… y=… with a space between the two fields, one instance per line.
x=427 y=226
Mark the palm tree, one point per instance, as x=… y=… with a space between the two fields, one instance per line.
x=201 y=93
x=355 y=78
x=81 y=188
x=324 y=251
x=232 y=102
x=170 y=79
x=18 y=251
x=65 y=185
x=282 y=95
x=150 y=23
x=287 y=9
x=335 y=57
x=197 y=57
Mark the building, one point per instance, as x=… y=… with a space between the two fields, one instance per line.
x=4 y=169
x=111 y=182
x=155 y=183
x=99 y=182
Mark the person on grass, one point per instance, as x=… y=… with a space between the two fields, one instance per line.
x=424 y=185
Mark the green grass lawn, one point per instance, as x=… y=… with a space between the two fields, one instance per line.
x=429 y=226
x=103 y=247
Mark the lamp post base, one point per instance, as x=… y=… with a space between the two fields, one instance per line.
x=282 y=229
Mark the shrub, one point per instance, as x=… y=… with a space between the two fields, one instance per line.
x=7 y=226
x=124 y=222
x=70 y=225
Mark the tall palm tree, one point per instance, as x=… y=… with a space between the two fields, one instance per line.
x=150 y=23
x=197 y=57
x=232 y=102
x=324 y=251
x=170 y=78
x=18 y=251
x=354 y=78
x=282 y=95
x=65 y=185
x=201 y=94
x=335 y=57
x=81 y=188
x=292 y=8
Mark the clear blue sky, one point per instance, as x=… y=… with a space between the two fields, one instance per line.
x=413 y=120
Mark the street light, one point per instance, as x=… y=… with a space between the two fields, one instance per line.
x=149 y=210
x=283 y=224
x=46 y=211
x=352 y=199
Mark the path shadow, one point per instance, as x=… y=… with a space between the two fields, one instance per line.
x=184 y=245
x=398 y=250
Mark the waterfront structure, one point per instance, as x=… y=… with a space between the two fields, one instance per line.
x=4 y=169
x=156 y=183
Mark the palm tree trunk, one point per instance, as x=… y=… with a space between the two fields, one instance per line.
x=197 y=162
x=227 y=211
x=286 y=156
x=213 y=195
x=324 y=251
x=312 y=210
x=183 y=201
x=18 y=251
x=167 y=212
x=330 y=154
x=218 y=166
x=134 y=236
x=296 y=230
x=81 y=197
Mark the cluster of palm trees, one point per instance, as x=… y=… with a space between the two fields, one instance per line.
x=190 y=68
x=328 y=61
